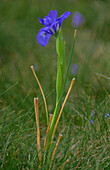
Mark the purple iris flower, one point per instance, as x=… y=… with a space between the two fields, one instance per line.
x=78 y=19
x=92 y=113
x=91 y=121
x=107 y=115
x=74 y=68
x=51 y=24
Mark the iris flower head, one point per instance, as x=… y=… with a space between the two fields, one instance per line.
x=91 y=121
x=107 y=115
x=92 y=113
x=77 y=19
x=74 y=69
x=51 y=25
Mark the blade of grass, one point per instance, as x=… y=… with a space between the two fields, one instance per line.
x=41 y=92
x=38 y=131
x=47 y=131
x=69 y=63
x=66 y=162
x=45 y=141
x=27 y=95
x=55 y=149
x=72 y=82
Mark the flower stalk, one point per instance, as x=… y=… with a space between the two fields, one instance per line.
x=71 y=85
x=52 y=26
x=56 y=112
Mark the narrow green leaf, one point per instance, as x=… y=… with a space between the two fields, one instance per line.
x=63 y=88
x=59 y=81
x=60 y=48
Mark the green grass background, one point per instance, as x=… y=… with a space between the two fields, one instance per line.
x=86 y=146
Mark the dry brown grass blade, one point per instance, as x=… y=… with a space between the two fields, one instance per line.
x=55 y=149
x=27 y=95
x=38 y=130
x=66 y=162
x=72 y=82
x=41 y=92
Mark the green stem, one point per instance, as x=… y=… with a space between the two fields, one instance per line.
x=55 y=115
x=49 y=141
x=68 y=65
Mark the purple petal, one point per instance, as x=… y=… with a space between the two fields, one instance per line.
x=63 y=17
x=74 y=68
x=53 y=15
x=43 y=37
x=92 y=113
x=41 y=21
x=50 y=19
x=107 y=115
x=78 y=19
x=91 y=121
x=46 y=21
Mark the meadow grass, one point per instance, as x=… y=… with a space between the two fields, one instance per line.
x=84 y=144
